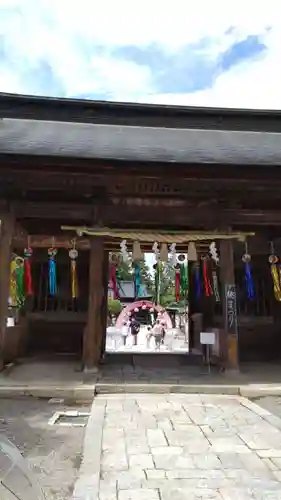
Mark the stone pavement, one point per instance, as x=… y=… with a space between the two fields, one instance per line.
x=175 y=341
x=174 y=447
x=64 y=379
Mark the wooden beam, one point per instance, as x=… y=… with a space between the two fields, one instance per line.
x=129 y=180
x=39 y=167
x=65 y=241
x=6 y=234
x=211 y=217
x=61 y=211
x=46 y=241
x=121 y=213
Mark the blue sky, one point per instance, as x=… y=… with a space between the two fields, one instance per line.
x=208 y=53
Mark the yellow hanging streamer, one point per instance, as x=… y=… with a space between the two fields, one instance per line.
x=13 y=283
x=14 y=291
x=74 y=285
x=276 y=282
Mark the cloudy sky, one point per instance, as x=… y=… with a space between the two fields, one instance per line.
x=208 y=52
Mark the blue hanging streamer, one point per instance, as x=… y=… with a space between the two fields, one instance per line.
x=52 y=276
x=197 y=281
x=249 y=281
x=137 y=279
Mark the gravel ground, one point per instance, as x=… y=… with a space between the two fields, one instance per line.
x=54 y=452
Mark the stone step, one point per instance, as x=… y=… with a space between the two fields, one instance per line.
x=153 y=359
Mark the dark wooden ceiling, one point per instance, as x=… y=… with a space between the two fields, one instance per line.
x=46 y=193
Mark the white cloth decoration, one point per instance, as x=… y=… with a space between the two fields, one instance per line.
x=173 y=252
x=124 y=251
x=155 y=249
x=214 y=252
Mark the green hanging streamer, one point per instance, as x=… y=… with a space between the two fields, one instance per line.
x=20 y=285
x=183 y=280
x=157 y=283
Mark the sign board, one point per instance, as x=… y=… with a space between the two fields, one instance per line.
x=231 y=309
x=207 y=338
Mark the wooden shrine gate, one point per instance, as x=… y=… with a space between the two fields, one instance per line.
x=110 y=165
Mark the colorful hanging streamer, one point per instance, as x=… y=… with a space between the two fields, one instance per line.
x=249 y=281
x=27 y=271
x=137 y=278
x=13 y=282
x=273 y=261
x=73 y=254
x=177 y=283
x=20 y=282
x=52 y=252
x=207 y=282
x=196 y=272
x=216 y=285
x=113 y=275
x=17 y=282
x=156 y=267
x=119 y=282
x=183 y=276
x=248 y=274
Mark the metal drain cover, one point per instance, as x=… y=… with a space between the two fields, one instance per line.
x=69 y=418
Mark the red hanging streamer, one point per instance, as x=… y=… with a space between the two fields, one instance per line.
x=207 y=283
x=113 y=282
x=27 y=272
x=177 y=285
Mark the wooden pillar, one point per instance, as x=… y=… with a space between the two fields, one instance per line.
x=6 y=235
x=105 y=300
x=93 y=334
x=229 y=305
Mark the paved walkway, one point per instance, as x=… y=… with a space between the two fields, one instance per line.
x=163 y=447
x=175 y=341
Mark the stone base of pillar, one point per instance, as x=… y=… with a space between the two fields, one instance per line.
x=90 y=374
x=91 y=369
x=232 y=351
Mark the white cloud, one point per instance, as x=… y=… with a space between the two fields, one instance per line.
x=170 y=23
x=63 y=33
x=121 y=78
x=254 y=84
